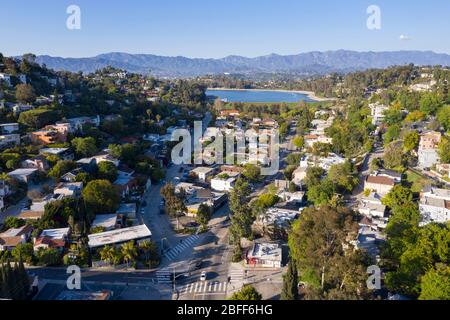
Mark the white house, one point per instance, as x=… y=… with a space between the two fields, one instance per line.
x=427 y=152
x=5 y=78
x=202 y=172
x=8 y=128
x=377 y=111
x=107 y=222
x=224 y=181
x=68 y=190
x=434 y=205
x=24 y=175
x=9 y=140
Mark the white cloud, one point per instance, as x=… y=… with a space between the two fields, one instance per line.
x=404 y=37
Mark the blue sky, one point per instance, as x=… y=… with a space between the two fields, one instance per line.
x=217 y=28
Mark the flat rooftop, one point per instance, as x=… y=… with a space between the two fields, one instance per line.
x=119 y=236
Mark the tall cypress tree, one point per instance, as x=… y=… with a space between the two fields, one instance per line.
x=24 y=279
x=290 y=283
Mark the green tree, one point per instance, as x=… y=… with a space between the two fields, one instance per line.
x=13 y=222
x=203 y=214
x=343 y=176
x=320 y=244
x=150 y=250
x=267 y=200
x=23 y=251
x=392 y=134
x=107 y=171
x=410 y=141
x=443 y=116
x=397 y=197
x=293 y=159
x=37 y=118
x=420 y=254
x=48 y=257
x=100 y=196
x=393 y=156
x=84 y=147
x=61 y=168
x=175 y=205
x=444 y=149
x=290 y=283
x=313 y=176
x=322 y=193
x=252 y=172
x=298 y=141
x=129 y=252
x=430 y=103
x=242 y=216
x=247 y=293
x=435 y=284
x=25 y=93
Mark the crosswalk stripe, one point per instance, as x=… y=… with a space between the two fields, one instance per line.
x=215 y=286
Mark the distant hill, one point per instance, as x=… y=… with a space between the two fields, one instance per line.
x=308 y=63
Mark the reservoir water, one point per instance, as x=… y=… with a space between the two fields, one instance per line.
x=258 y=96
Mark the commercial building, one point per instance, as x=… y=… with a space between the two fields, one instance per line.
x=117 y=237
x=265 y=255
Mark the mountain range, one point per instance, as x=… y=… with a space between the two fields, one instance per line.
x=304 y=63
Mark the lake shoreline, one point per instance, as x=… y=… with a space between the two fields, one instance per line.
x=311 y=95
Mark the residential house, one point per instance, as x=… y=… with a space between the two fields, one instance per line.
x=229 y=113
x=68 y=190
x=4 y=192
x=24 y=175
x=202 y=173
x=127 y=210
x=9 y=140
x=377 y=111
x=62 y=153
x=427 y=152
x=106 y=222
x=224 y=181
x=48 y=135
x=19 y=108
x=52 y=238
x=434 y=205
x=125 y=183
x=278 y=216
x=6 y=78
x=76 y=124
x=213 y=200
x=380 y=184
x=8 y=128
x=372 y=207
x=299 y=175
x=15 y=236
x=40 y=163
x=29 y=215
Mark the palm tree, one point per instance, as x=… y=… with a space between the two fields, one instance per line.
x=106 y=253
x=129 y=252
x=146 y=246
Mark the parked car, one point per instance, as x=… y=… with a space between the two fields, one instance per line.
x=203 y=276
